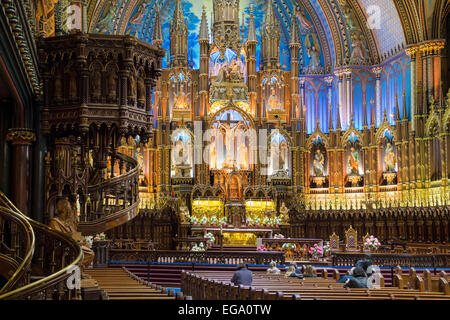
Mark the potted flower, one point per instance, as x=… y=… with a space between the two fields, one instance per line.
x=276 y=222
x=262 y=247
x=316 y=251
x=194 y=220
x=257 y=222
x=249 y=222
x=209 y=237
x=223 y=221
x=266 y=222
x=214 y=221
x=372 y=243
x=326 y=249
x=289 y=248
x=100 y=237
x=278 y=236
x=204 y=221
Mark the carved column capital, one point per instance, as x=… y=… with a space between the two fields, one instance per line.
x=21 y=136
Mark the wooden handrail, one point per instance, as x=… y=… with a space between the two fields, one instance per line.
x=54 y=279
x=29 y=243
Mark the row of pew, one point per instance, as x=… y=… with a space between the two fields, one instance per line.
x=205 y=285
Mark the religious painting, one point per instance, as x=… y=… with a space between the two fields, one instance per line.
x=279 y=159
x=105 y=23
x=182 y=154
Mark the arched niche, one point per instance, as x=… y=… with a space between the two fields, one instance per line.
x=279 y=146
x=182 y=154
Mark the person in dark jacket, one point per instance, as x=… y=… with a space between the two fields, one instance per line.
x=242 y=276
x=364 y=263
x=359 y=279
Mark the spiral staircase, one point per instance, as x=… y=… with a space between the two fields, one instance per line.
x=36 y=261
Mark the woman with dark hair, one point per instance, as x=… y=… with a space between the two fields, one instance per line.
x=359 y=279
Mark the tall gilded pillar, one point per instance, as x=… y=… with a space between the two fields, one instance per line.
x=21 y=139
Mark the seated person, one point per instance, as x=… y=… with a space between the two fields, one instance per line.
x=364 y=263
x=242 y=275
x=309 y=271
x=293 y=271
x=273 y=268
x=359 y=279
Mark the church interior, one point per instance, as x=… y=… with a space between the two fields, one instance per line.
x=143 y=138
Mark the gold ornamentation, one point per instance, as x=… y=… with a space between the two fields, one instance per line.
x=21 y=136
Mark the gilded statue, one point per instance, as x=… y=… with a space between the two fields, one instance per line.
x=273 y=101
x=318 y=163
x=353 y=161
x=389 y=158
x=66 y=221
x=284 y=213
x=184 y=213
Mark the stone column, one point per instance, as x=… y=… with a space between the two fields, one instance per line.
x=21 y=139
x=349 y=106
x=378 y=114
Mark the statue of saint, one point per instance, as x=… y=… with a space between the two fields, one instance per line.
x=273 y=102
x=181 y=99
x=184 y=213
x=58 y=87
x=212 y=154
x=243 y=156
x=132 y=88
x=313 y=52
x=359 y=50
x=73 y=84
x=304 y=22
x=112 y=83
x=234 y=71
x=96 y=84
x=66 y=222
x=353 y=161
x=389 y=157
x=284 y=213
x=318 y=163
x=180 y=152
x=141 y=90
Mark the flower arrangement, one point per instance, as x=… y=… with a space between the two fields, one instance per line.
x=261 y=248
x=372 y=243
x=326 y=249
x=100 y=237
x=276 y=221
x=214 y=221
x=223 y=221
x=209 y=237
x=249 y=221
x=278 y=236
x=194 y=220
x=204 y=221
x=316 y=250
x=257 y=222
x=199 y=247
x=287 y=246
